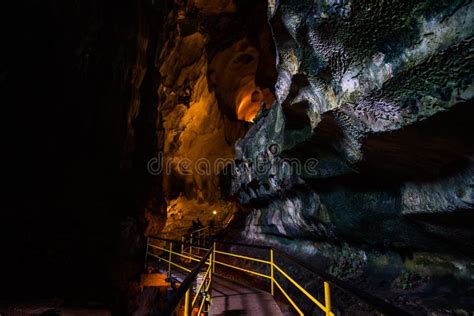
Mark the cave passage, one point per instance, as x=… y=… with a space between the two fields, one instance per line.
x=310 y=157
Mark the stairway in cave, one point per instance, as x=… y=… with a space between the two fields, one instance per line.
x=228 y=297
x=233 y=298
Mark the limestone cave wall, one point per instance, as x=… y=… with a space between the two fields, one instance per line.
x=364 y=161
x=212 y=71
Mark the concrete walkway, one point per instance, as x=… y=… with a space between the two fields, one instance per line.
x=232 y=298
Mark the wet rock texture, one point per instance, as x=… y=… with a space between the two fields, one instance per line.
x=380 y=94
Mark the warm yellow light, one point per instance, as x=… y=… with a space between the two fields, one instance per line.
x=249 y=99
x=247 y=110
x=214 y=212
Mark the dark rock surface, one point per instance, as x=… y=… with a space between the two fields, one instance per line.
x=71 y=227
x=364 y=162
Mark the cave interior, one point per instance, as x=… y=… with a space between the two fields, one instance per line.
x=339 y=132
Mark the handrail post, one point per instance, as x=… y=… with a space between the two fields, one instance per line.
x=169 y=260
x=271 y=272
x=210 y=264
x=211 y=279
x=327 y=298
x=146 y=252
x=187 y=303
x=210 y=276
x=182 y=245
x=214 y=257
x=207 y=295
x=191 y=246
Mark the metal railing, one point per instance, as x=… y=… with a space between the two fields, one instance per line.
x=330 y=281
x=274 y=270
x=204 y=232
x=211 y=252
x=186 y=299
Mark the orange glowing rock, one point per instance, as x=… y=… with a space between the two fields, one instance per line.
x=249 y=99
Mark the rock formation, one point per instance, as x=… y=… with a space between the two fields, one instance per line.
x=366 y=154
x=209 y=82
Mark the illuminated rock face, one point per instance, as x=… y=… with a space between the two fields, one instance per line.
x=194 y=132
x=211 y=72
x=380 y=93
x=233 y=73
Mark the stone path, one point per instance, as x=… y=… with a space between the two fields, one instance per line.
x=232 y=298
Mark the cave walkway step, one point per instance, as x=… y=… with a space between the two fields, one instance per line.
x=232 y=298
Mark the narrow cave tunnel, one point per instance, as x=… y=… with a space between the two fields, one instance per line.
x=237 y=157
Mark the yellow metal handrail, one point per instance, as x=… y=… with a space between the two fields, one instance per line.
x=199 y=235
x=325 y=307
x=202 y=292
x=212 y=261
